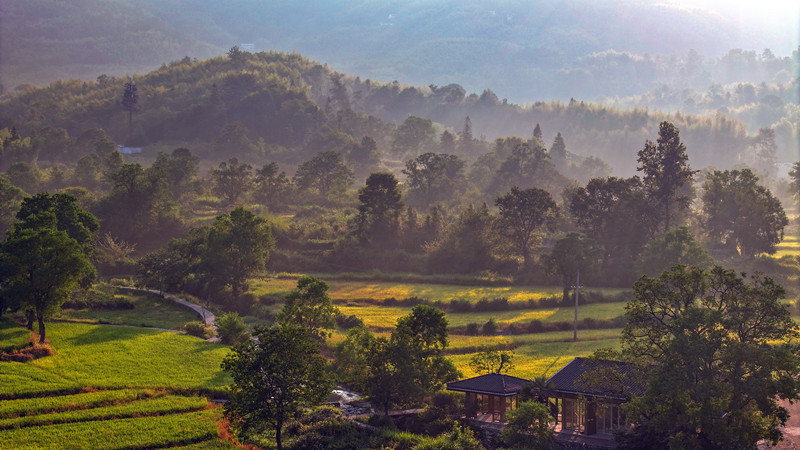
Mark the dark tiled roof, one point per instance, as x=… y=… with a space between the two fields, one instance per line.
x=617 y=379
x=493 y=383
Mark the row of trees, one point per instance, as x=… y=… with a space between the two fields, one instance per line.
x=280 y=371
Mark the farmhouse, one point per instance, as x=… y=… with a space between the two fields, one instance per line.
x=588 y=393
x=489 y=396
x=584 y=396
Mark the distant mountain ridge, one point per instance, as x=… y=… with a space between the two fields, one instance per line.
x=524 y=50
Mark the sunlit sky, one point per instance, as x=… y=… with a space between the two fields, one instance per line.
x=780 y=18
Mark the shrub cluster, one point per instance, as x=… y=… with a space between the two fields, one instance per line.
x=199 y=329
x=537 y=326
x=347 y=322
x=98 y=299
x=460 y=305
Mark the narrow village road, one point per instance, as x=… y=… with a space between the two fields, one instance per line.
x=205 y=315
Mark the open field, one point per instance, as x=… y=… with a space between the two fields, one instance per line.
x=360 y=290
x=108 y=357
x=12 y=336
x=789 y=246
x=156 y=364
x=148 y=311
x=159 y=431
x=382 y=317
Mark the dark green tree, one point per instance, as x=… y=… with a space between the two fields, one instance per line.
x=326 y=173
x=180 y=167
x=46 y=255
x=434 y=178
x=352 y=358
x=138 y=205
x=523 y=213
x=615 y=213
x=378 y=219
x=741 y=215
x=718 y=353
x=237 y=247
x=537 y=133
x=492 y=361
x=364 y=157
x=232 y=180
x=308 y=306
x=272 y=186
x=78 y=223
x=275 y=376
x=677 y=246
x=558 y=153
x=447 y=142
x=468 y=246
x=413 y=137
x=466 y=142
x=417 y=353
x=10 y=200
x=529 y=427
x=570 y=255
x=130 y=104
x=666 y=170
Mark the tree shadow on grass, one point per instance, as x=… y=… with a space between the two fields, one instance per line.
x=99 y=334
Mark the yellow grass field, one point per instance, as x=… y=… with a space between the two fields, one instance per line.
x=361 y=290
x=382 y=317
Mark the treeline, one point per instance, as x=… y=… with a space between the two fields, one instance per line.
x=287 y=108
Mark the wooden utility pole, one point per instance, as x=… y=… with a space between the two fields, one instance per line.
x=575 y=322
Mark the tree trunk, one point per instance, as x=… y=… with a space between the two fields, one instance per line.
x=278 y=442
x=41 y=328
x=30 y=317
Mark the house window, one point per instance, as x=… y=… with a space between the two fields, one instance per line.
x=608 y=418
x=574 y=414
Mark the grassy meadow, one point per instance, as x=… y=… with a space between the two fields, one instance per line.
x=110 y=387
x=113 y=357
x=383 y=317
x=149 y=311
x=790 y=246
x=352 y=291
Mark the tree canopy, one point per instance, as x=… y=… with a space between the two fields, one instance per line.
x=719 y=353
x=741 y=215
x=276 y=375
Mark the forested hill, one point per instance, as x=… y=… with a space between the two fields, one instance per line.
x=285 y=107
x=525 y=50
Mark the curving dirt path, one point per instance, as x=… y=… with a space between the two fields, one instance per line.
x=205 y=315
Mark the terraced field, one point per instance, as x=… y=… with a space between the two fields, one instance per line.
x=111 y=387
x=109 y=419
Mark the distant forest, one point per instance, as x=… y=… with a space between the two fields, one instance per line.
x=668 y=59
x=286 y=108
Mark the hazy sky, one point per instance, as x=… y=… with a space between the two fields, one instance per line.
x=779 y=18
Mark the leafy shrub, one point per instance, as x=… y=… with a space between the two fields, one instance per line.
x=98 y=298
x=199 y=329
x=347 y=322
x=458 y=438
x=495 y=304
x=490 y=327
x=126 y=282
x=459 y=305
x=381 y=421
x=231 y=329
x=262 y=312
x=473 y=329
